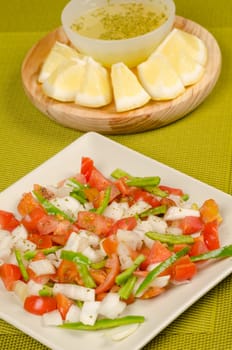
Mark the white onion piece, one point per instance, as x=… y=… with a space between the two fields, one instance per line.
x=89 y=312
x=131 y=238
x=52 y=318
x=21 y=290
x=111 y=306
x=176 y=213
x=122 y=332
x=75 y=292
x=42 y=267
x=73 y=314
x=137 y=208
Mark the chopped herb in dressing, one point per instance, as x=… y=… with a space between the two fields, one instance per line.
x=119 y=21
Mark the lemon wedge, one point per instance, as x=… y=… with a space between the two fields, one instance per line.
x=127 y=90
x=159 y=78
x=95 y=89
x=58 y=54
x=65 y=81
x=186 y=53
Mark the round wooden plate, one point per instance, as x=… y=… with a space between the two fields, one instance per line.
x=106 y=120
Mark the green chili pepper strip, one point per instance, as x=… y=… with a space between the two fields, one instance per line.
x=46 y=291
x=76 y=183
x=75 y=257
x=223 y=252
x=161 y=209
x=118 y=173
x=85 y=275
x=160 y=268
x=122 y=277
x=104 y=323
x=30 y=254
x=169 y=238
x=98 y=265
x=143 y=181
x=21 y=265
x=126 y=290
x=105 y=202
x=156 y=191
x=50 y=208
x=79 y=196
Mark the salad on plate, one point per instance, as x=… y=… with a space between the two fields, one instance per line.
x=79 y=252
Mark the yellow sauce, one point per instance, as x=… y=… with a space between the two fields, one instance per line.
x=119 y=21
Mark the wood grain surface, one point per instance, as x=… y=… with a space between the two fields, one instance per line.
x=106 y=120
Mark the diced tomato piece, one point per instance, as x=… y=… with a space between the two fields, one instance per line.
x=158 y=253
x=8 y=220
x=101 y=183
x=209 y=211
x=63 y=304
x=183 y=269
x=191 y=224
x=47 y=224
x=67 y=272
x=139 y=194
x=198 y=247
x=177 y=247
x=27 y=204
x=31 y=219
x=99 y=276
x=9 y=274
x=152 y=292
x=210 y=234
x=172 y=190
x=122 y=186
x=128 y=223
x=86 y=167
x=110 y=245
x=99 y=224
x=168 y=202
x=41 y=241
x=110 y=278
x=39 y=305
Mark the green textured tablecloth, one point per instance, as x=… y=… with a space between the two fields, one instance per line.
x=199 y=144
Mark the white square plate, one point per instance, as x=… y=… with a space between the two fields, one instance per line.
x=159 y=312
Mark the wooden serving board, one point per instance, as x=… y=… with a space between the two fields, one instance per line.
x=106 y=120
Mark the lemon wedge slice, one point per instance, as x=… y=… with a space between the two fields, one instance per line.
x=95 y=89
x=58 y=54
x=159 y=78
x=186 y=53
x=127 y=90
x=65 y=81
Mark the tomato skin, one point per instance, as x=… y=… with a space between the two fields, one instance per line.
x=63 y=304
x=198 y=247
x=191 y=224
x=147 y=197
x=39 y=305
x=41 y=242
x=110 y=278
x=172 y=190
x=47 y=224
x=210 y=234
x=209 y=211
x=67 y=272
x=183 y=269
x=86 y=167
x=110 y=245
x=27 y=204
x=8 y=221
x=99 y=224
x=30 y=220
x=10 y=273
x=158 y=253
x=128 y=223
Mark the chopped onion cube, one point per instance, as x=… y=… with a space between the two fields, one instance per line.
x=75 y=292
x=176 y=213
x=52 y=318
x=112 y=306
x=89 y=312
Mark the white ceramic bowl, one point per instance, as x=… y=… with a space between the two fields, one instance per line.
x=131 y=51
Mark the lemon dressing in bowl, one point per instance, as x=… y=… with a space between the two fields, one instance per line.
x=118 y=31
